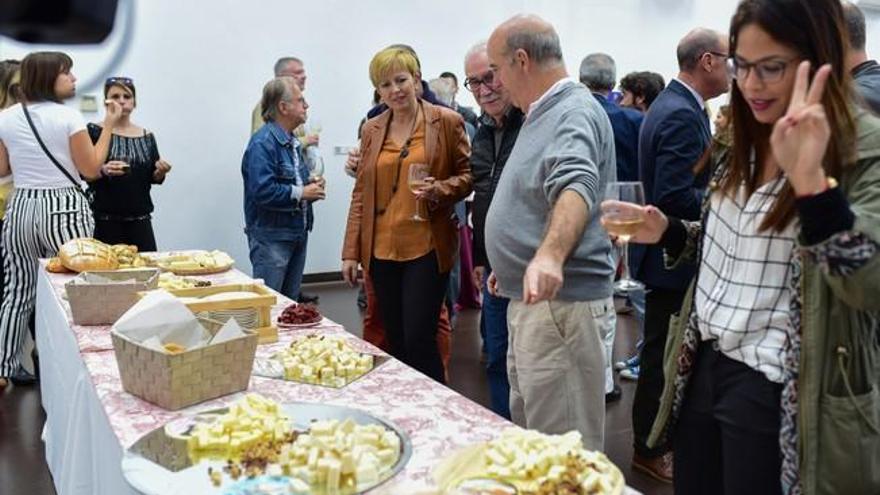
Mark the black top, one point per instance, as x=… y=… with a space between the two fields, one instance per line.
x=126 y=195
x=489 y=153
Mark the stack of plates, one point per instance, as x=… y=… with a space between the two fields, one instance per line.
x=246 y=318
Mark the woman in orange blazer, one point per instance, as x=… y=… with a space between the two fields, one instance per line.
x=408 y=260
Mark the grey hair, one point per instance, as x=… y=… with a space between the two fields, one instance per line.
x=542 y=47
x=694 y=45
x=598 y=72
x=274 y=92
x=481 y=47
x=282 y=62
x=855 y=26
x=443 y=90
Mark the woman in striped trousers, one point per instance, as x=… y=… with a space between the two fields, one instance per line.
x=46 y=148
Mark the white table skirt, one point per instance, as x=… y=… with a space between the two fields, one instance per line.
x=82 y=452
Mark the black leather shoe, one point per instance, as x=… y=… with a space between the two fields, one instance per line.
x=308 y=298
x=23 y=378
x=614 y=395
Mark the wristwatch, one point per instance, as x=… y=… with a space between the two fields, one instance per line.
x=830 y=183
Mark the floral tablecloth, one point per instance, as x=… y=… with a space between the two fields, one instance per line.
x=437 y=419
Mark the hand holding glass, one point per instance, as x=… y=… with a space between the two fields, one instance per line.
x=419 y=178
x=622 y=217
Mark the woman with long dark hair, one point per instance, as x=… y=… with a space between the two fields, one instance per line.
x=49 y=207
x=772 y=383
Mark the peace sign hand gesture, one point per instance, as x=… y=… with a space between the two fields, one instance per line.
x=800 y=138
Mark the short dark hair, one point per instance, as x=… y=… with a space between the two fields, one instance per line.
x=449 y=75
x=39 y=70
x=645 y=84
x=855 y=25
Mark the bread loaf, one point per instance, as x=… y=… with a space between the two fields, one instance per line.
x=86 y=254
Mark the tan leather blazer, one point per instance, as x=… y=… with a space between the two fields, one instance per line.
x=446 y=149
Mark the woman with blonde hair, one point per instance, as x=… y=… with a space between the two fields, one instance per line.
x=408 y=258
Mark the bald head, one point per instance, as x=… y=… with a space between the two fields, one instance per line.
x=697 y=43
x=535 y=36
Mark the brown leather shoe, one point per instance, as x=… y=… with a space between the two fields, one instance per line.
x=659 y=468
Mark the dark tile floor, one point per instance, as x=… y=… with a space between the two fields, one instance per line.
x=23 y=468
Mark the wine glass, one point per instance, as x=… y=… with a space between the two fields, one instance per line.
x=418 y=178
x=316 y=169
x=622 y=217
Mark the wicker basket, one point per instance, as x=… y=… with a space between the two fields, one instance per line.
x=99 y=303
x=174 y=381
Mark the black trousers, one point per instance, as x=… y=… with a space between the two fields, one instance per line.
x=137 y=232
x=410 y=294
x=660 y=304
x=726 y=441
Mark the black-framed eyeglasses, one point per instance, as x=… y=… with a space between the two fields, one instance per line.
x=767 y=71
x=719 y=54
x=119 y=80
x=474 y=83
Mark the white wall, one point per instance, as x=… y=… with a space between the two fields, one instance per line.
x=199 y=67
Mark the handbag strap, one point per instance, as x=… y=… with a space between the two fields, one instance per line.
x=63 y=170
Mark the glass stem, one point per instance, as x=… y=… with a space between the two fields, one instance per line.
x=625 y=256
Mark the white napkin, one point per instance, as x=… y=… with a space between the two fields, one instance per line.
x=163 y=317
x=230 y=330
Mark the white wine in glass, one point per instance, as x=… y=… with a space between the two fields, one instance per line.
x=317 y=168
x=418 y=178
x=622 y=217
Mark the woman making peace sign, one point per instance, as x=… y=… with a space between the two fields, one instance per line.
x=772 y=364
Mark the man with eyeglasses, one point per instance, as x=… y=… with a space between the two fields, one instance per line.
x=499 y=127
x=674 y=135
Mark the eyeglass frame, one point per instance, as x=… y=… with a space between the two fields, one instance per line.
x=481 y=81
x=733 y=67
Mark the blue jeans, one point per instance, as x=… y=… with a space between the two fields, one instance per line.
x=493 y=323
x=637 y=301
x=279 y=263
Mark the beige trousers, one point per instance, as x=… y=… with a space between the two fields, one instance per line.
x=556 y=366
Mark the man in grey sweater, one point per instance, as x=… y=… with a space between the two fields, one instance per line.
x=549 y=253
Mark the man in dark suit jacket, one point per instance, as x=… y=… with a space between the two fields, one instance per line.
x=674 y=135
x=598 y=72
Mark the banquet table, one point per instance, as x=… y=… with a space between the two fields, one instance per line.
x=90 y=420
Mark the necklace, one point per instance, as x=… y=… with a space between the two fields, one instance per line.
x=404 y=152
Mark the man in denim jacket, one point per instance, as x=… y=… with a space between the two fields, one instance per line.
x=278 y=195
